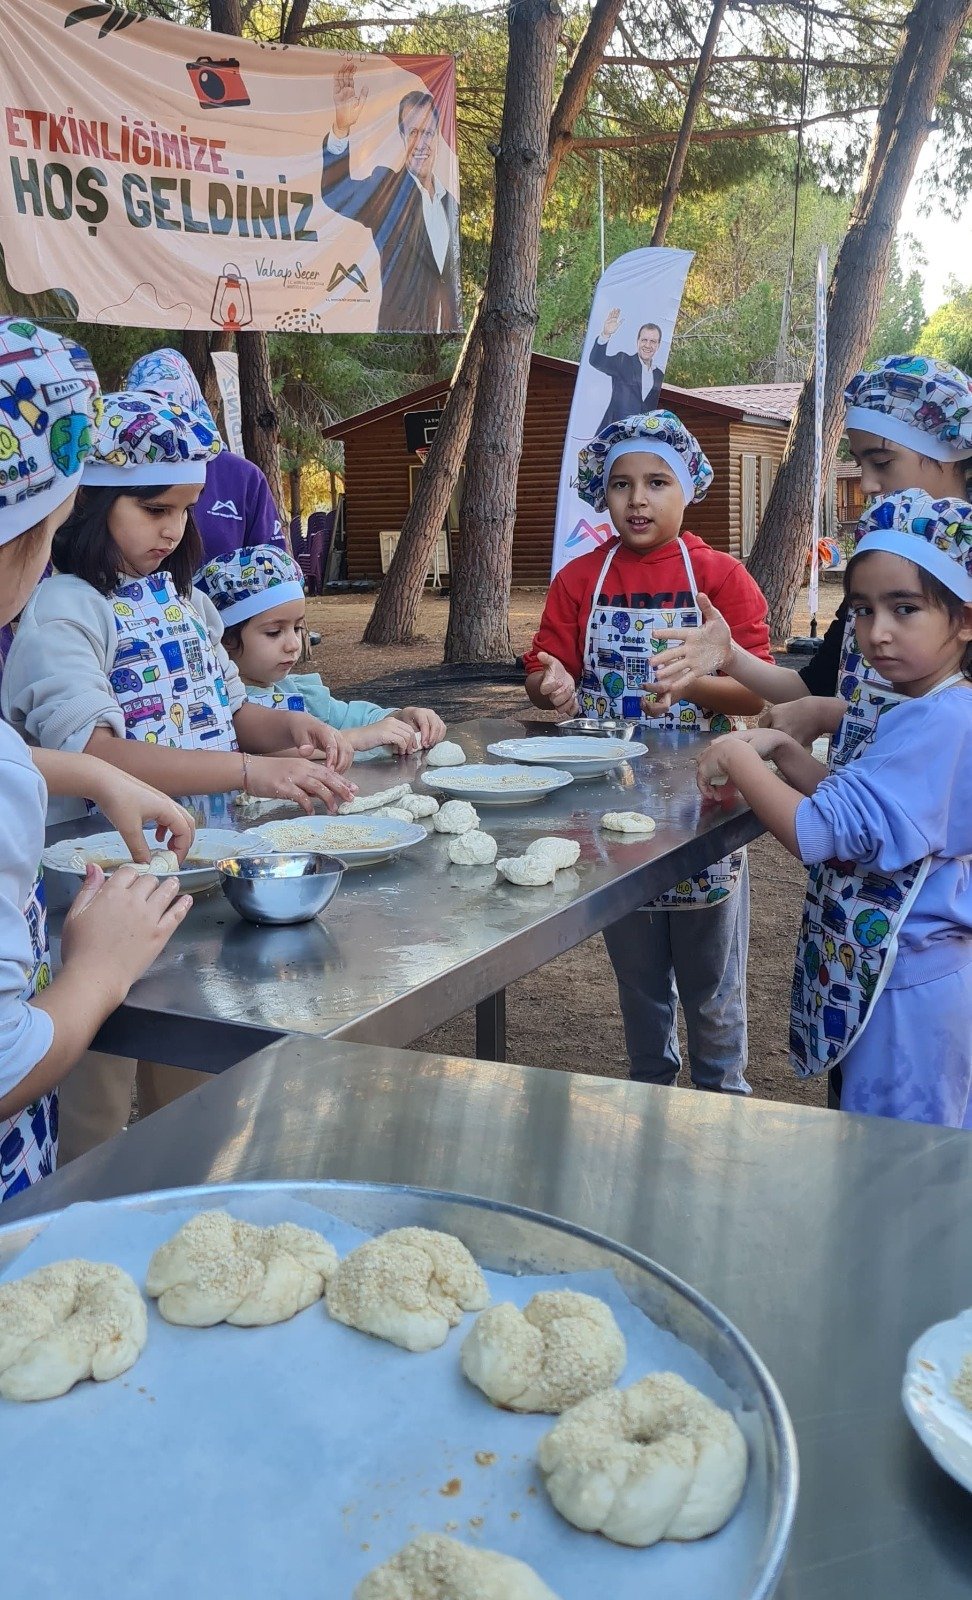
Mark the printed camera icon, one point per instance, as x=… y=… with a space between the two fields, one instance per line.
x=217 y=83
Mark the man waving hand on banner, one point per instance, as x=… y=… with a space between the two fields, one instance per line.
x=413 y=218
x=635 y=380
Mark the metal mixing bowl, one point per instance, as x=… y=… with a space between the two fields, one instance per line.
x=280 y=887
x=595 y=729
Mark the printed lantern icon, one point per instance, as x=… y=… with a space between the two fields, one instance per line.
x=231 y=302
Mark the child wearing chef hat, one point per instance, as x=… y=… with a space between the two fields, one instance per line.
x=593 y=653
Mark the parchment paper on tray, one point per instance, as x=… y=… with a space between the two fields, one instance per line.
x=290 y=1460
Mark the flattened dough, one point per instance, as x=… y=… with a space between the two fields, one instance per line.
x=161 y=864
x=628 y=822
x=558 y=852
x=456 y=816
x=398 y=813
x=473 y=849
x=446 y=754
x=371 y=802
x=562 y=1347
x=433 y=1567
x=217 y=1269
x=409 y=1286
x=69 y=1321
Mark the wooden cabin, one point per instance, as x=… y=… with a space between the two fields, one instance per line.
x=742 y=430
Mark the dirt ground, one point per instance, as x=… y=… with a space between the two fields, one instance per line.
x=566 y=1014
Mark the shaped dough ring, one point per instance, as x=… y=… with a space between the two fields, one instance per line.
x=217 y=1269
x=409 y=1286
x=559 y=1349
x=656 y=1461
x=435 y=1568
x=66 y=1322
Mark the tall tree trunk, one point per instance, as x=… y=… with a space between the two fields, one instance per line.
x=396 y=609
x=261 y=425
x=676 y=167
x=197 y=345
x=929 y=37
x=296 y=503
x=225 y=16
x=480 y=594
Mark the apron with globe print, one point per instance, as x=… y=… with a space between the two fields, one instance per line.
x=167 y=679
x=848 y=940
x=275 y=698
x=28 y=1141
x=617 y=673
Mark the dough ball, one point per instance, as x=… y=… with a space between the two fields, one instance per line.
x=66 y=1322
x=433 y=1567
x=628 y=822
x=409 y=1286
x=372 y=802
x=419 y=805
x=559 y=1349
x=656 y=1461
x=446 y=754
x=456 y=816
x=559 y=852
x=216 y=1269
x=160 y=864
x=399 y=813
x=473 y=849
x=529 y=872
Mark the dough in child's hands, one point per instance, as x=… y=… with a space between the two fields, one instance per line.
x=446 y=754
x=559 y=853
x=473 y=849
x=409 y=1286
x=217 y=1269
x=419 y=805
x=456 y=816
x=628 y=822
x=372 y=802
x=69 y=1321
x=433 y=1567
x=161 y=864
x=562 y=1347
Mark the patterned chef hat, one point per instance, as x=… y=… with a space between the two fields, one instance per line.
x=246 y=583
x=49 y=401
x=144 y=439
x=916 y=401
x=935 y=534
x=169 y=374
x=658 y=433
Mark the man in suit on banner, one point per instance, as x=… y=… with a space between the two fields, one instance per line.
x=635 y=380
x=412 y=217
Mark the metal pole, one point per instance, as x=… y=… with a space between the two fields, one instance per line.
x=600 y=194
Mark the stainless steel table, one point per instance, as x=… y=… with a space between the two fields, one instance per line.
x=830 y=1240
x=413 y=943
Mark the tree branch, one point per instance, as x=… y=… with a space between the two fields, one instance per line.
x=714 y=135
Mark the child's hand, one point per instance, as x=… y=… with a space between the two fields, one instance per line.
x=387 y=731
x=714 y=764
x=557 y=685
x=655 y=704
x=131 y=805
x=427 y=724
x=117 y=926
x=765 y=741
x=695 y=653
x=309 y=733
x=806 y=719
x=294 y=778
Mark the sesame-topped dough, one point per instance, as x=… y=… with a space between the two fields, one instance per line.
x=409 y=1286
x=433 y=1567
x=456 y=816
x=397 y=813
x=69 y=1321
x=371 y=802
x=656 y=1461
x=562 y=1347
x=217 y=1269
x=446 y=754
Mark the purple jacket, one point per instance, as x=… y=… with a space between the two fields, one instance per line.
x=235 y=508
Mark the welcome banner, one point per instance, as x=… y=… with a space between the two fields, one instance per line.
x=167 y=177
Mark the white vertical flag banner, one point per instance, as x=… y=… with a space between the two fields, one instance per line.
x=622 y=368
x=227 y=365
x=819 y=386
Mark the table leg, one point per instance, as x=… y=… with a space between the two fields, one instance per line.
x=491 y=1027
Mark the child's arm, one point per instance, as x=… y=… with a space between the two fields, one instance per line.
x=775 y=801
x=551 y=687
x=127 y=803
x=697 y=653
x=178 y=772
x=427 y=724
x=267 y=730
x=387 y=731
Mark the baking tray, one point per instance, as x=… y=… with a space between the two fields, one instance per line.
x=509 y=1239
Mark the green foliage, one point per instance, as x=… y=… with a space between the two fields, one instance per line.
x=948 y=332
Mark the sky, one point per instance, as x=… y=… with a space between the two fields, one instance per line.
x=945 y=241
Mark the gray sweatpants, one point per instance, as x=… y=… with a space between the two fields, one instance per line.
x=698 y=957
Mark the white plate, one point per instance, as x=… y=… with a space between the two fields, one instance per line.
x=359 y=841
x=497 y=783
x=109 y=850
x=582 y=758
x=938 y=1417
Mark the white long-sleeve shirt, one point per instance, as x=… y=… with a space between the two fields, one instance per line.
x=26 y=1034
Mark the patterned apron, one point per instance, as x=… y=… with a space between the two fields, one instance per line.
x=848 y=940
x=167 y=680
x=274 y=698
x=618 y=648
x=28 y=1141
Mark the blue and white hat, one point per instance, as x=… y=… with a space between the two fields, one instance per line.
x=658 y=433
x=246 y=583
x=915 y=401
x=935 y=534
x=168 y=373
x=50 y=403
x=144 y=439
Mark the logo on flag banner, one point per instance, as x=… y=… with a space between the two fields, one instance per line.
x=165 y=177
x=622 y=368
